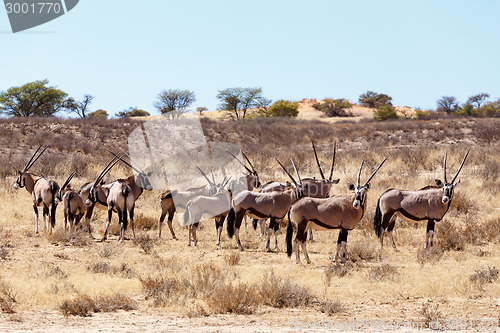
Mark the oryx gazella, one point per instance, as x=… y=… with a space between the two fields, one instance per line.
x=73 y=206
x=119 y=196
x=43 y=191
x=246 y=182
x=272 y=186
x=136 y=183
x=215 y=206
x=271 y=205
x=315 y=188
x=427 y=204
x=342 y=211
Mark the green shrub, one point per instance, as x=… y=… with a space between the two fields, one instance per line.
x=98 y=114
x=334 y=107
x=372 y=99
x=283 y=108
x=385 y=112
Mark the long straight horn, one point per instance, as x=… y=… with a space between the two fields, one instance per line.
x=317 y=161
x=286 y=171
x=333 y=160
x=374 y=172
x=68 y=180
x=248 y=160
x=204 y=175
x=359 y=173
x=296 y=172
x=461 y=165
x=31 y=159
x=106 y=169
x=127 y=163
x=444 y=167
x=237 y=159
x=39 y=154
x=131 y=160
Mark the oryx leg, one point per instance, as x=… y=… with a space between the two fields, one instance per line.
x=219 y=223
x=239 y=219
x=388 y=223
x=262 y=223
x=121 y=238
x=131 y=215
x=171 y=213
x=276 y=229
x=272 y=223
x=429 y=237
x=193 y=228
x=311 y=238
x=301 y=238
x=341 y=245
x=88 y=215
x=108 y=222
x=46 y=218
x=389 y=231
x=35 y=208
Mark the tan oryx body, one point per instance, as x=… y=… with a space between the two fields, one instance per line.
x=427 y=204
x=73 y=205
x=312 y=187
x=343 y=211
x=257 y=205
x=43 y=192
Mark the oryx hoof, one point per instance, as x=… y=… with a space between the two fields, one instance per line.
x=268 y=250
x=175 y=238
x=277 y=249
x=102 y=240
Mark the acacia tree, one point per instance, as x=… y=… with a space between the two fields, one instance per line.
x=238 y=101
x=447 y=104
x=201 y=109
x=32 y=99
x=334 y=107
x=80 y=108
x=133 y=112
x=372 y=99
x=478 y=99
x=174 y=101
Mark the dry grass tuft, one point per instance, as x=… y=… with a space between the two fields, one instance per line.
x=239 y=298
x=278 y=292
x=114 y=303
x=383 y=273
x=233 y=258
x=142 y=222
x=431 y=255
x=7 y=298
x=73 y=237
x=106 y=251
x=430 y=313
x=484 y=276
x=104 y=268
x=330 y=307
x=84 y=306
x=145 y=242
x=362 y=251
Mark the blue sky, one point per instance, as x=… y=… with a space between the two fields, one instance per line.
x=125 y=52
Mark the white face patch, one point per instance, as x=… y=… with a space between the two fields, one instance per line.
x=447 y=193
x=358 y=196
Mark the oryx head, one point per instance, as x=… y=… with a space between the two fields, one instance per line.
x=360 y=190
x=449 y=187
x=299 y=187
x=21 y=179
x=92 y=198
x=141 y=177
x=64 y=188
x=213 y=187
x=253 y=179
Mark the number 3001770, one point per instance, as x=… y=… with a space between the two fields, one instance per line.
x=33 y=8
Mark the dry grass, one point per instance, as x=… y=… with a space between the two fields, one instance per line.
x=232 y=259
x=278 y=292
x=85 y=306
x=7 y=298
x=383 y=273
x=71 y=237
x=430 y=313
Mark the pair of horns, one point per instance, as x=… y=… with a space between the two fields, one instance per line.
x=373 y=174
x=243 y=163
x=68 y=180
x=224 y=181
x=32 y=160
x=459 y=169
x=317 y=161
x=137 y=167
x=107 y=168
x=289 y=175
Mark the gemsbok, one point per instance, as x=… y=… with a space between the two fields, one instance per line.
x=427 y=204
x=342 y=211
x=43 y=191
x=271 y=205
x=314 y=188
x=119 y=197
x=73 y=206
x=215 y=206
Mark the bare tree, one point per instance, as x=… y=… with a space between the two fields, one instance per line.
x=478 y=99
x=80 y=108
x=447 y=104
x=174 y=100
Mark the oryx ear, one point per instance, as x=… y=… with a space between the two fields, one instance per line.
x=335 y=181
x=102 y=182
x=439 y=182
x=456 y=183
x=367 y=186
x=350 y=186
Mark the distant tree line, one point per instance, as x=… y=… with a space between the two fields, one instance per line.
x=38 y=98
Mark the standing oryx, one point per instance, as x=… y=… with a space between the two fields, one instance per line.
x=73 y=206
x=272 y=205
x=137 y=185
x=119 y=196
x=314 y=188
x=215 y=206
x=42 y=190
x=342 y=211
x=427 y=204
